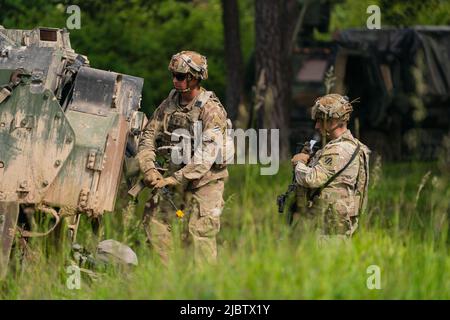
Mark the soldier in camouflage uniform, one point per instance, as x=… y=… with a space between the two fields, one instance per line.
x=334 y=181
x=198 y=185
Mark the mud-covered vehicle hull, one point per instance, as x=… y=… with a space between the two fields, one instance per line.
x=64 y=128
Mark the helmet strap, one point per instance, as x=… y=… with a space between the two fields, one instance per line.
x=324 y=130
x=183 y=90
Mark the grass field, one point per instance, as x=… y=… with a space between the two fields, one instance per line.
x=405 y=233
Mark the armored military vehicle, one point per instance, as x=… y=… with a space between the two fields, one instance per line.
x=64 y=130
x=401 y=77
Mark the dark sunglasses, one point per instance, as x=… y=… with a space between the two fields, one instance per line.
x=179 y=76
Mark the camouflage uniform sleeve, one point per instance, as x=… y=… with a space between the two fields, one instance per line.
x=332 y=159
x=214 y=125
x=147 y=149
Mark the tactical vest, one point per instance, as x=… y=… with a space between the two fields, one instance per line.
x=176 y=117
x=362 y=180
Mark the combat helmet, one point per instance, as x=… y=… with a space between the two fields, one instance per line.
x=189 y=62
x=332 y=106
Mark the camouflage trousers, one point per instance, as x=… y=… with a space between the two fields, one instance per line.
x=202 y=208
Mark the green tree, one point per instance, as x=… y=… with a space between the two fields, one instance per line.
x=398 y=13
x=137 y=37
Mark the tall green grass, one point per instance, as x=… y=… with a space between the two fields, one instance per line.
x=405 y=233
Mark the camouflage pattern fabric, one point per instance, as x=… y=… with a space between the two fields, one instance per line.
x=339 y=204
x=201 y=179
x=202 y=207
x=189 y=62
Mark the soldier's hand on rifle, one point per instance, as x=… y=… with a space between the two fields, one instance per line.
x=151 y=177
x=306 y=148
x=302 y=157
x=169 y=181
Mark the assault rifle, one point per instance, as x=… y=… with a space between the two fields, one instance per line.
x=166 y=193
x=283 y=198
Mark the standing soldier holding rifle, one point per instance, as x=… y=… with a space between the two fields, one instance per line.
x=199 y=182
x=335 y=179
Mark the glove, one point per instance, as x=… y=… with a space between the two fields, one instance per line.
x=151 y=177
x=302 y=157
x=169 y=181
x=306 y=148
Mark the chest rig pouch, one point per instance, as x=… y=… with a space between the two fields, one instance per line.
x=178 y=124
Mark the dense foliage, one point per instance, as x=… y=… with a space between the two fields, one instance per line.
x=138 y=37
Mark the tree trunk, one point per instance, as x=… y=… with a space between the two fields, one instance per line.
x=233 y=57
x=274 y=25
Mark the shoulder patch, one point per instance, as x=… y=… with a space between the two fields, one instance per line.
x=328 y=160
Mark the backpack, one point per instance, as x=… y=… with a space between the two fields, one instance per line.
x=362 y=180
